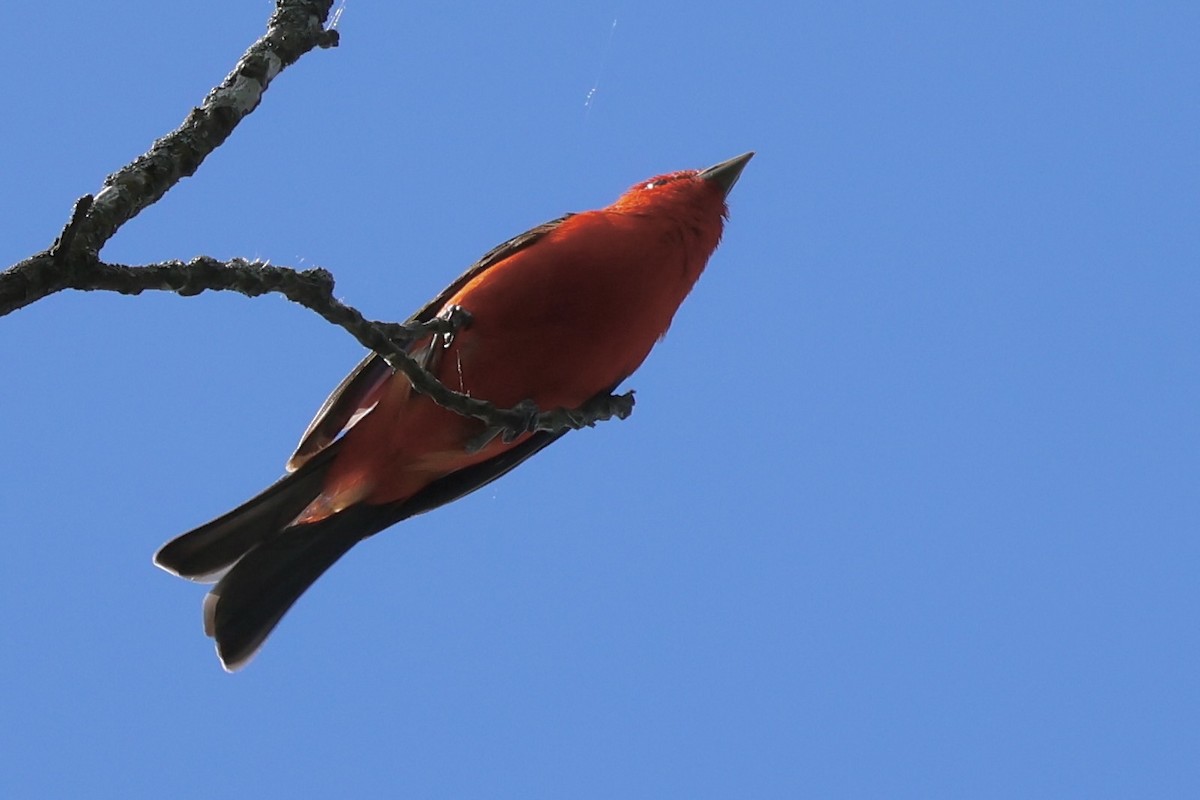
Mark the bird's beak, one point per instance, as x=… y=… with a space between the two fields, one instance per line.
x=726 y=173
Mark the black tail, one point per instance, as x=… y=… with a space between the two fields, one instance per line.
x=262 y=563
x=206 y=553
x=246 y=605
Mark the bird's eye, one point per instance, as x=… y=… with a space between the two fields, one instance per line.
x=653 y=184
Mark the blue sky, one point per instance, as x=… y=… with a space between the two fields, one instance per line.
x=909 y=503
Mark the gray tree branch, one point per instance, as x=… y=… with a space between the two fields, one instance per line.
x=73 y=260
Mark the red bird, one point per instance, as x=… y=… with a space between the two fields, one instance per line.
x=558 y=315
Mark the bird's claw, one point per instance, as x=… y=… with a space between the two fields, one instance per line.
x=446 y=325
x=452 y=320
x=458 y=317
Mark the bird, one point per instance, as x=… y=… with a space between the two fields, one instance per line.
x=558 y=316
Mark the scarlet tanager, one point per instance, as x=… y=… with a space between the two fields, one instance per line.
x=558 y=315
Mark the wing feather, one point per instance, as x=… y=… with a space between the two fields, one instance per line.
x=359 y=391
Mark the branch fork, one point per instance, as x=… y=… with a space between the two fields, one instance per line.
x=73 y=260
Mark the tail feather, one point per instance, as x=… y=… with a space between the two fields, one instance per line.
x=246 y=605
x=206 y=553
x=262 y=563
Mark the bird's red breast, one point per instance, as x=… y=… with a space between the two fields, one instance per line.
x=556 y=322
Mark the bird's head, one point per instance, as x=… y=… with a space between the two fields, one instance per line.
x=687 y=193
